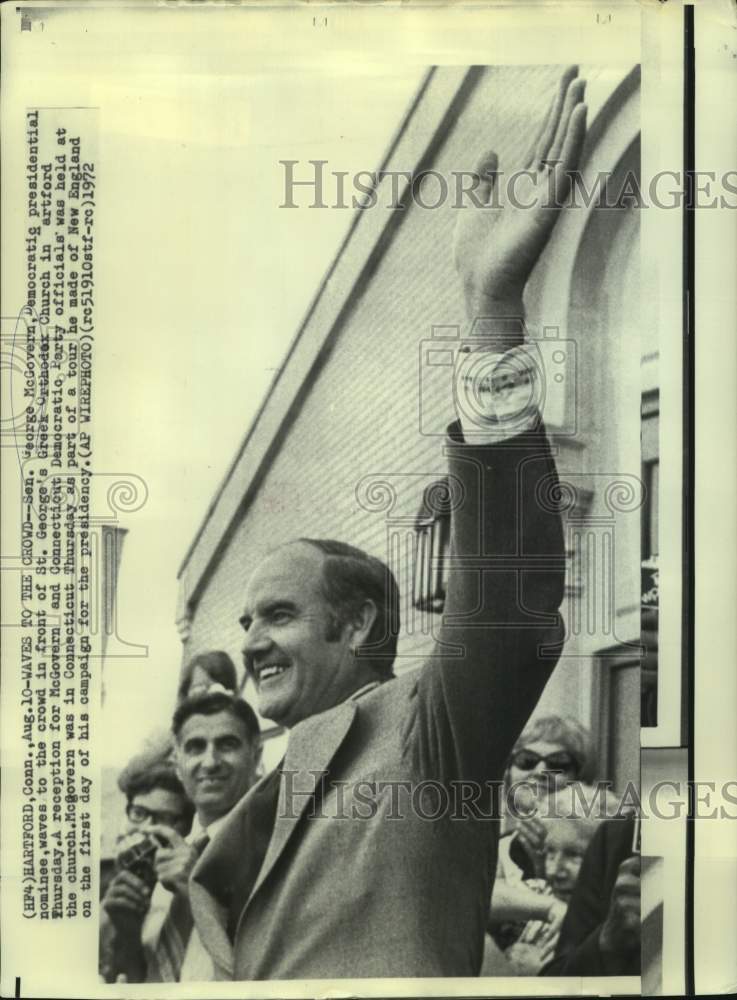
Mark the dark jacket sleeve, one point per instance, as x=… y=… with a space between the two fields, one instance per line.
x=577 y=952
x=501 y=631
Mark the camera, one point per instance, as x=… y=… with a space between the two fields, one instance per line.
x=489 y=387
x=138 y=859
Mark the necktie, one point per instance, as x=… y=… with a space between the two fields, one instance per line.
x=171 y=947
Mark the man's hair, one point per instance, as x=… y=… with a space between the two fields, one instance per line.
x=350 y=577
x=142 y=775
x=216 y=664
x=211 y=704
x=567 y=731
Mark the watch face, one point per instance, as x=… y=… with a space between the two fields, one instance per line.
x=497 y=389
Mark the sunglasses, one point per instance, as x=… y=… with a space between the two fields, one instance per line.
x=140 y=814
x=527 y=760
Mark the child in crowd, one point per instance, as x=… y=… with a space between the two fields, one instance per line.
x=525 y=918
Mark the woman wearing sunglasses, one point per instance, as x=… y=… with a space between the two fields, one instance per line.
x=552 y=752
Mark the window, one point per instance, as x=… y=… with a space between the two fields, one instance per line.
x=432 y=527
x=650 y=473
x=650 y=451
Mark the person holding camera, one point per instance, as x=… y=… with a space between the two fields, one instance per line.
x=154 y=794
x=149 y=932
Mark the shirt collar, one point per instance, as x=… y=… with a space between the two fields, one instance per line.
x=199 y=831
x=363 y=690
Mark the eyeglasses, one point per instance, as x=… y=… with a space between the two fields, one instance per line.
x=140 y=814
x=527 y=760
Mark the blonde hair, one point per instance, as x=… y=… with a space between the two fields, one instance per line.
x=567 y=731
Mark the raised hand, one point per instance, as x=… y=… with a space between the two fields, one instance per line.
x=496 y=248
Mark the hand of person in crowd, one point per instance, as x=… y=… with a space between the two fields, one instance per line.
x=556 y=913
x=496 y=248
x=174 y=860
x=531 y=835
x=534 y=947
x=126 y=902
x=620 y=932
x=525 y=958
x=536 y=944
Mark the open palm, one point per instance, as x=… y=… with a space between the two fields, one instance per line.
x=496 y=248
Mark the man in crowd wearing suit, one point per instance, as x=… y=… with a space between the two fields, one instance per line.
x=344 y=862
x=217 y=753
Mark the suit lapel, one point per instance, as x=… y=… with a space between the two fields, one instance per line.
x=312 y=746
x=211 y=922
x=212 y=880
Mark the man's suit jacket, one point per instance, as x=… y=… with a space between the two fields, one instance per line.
x=387 y=891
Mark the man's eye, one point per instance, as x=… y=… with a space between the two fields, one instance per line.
x=279 y=617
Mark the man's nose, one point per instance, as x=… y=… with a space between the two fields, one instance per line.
x=211 y=757
x=257 y=641
x=540 y=769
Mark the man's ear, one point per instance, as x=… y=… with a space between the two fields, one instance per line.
x=361 y=623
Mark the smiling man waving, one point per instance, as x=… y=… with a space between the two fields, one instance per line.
x=311 y=877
